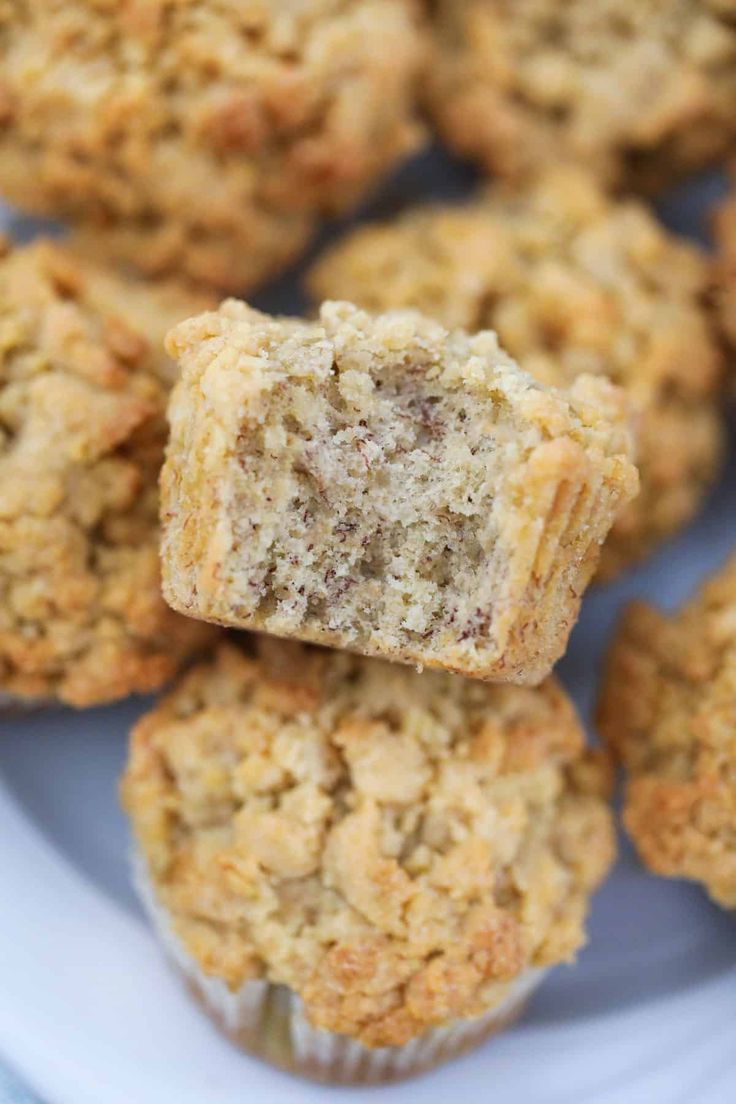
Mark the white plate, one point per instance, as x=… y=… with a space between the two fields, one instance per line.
x=89 y=1014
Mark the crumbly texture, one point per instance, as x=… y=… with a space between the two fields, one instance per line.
x=203 y=137
x=573 y=282
x=380 y=484
x=393 y=847
x=640 y=90
x=725 y=231
x=83 y=385
x=668 y=709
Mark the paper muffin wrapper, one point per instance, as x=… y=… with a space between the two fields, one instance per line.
x=270 y=1023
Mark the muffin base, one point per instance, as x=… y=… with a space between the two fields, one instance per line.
x=269 y=1022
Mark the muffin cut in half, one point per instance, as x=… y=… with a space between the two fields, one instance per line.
x=382 y=485
x=668 y=710
x=642 y=92
x=203 y=138
x=572 y=281
x=361 y=870
x=83 y=386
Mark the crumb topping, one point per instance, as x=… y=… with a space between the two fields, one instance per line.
x=572 y=282
x=641 y=91
x=203 y=137
x=669 y=711
x=393 y=847
x=82 y=392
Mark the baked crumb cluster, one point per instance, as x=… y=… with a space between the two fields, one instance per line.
x=725 y=227
x=203 y=137
x=668 y=710
x=642 y=91
x=573 y=282
x=384 y=485
x=393 y=847
x=82 y=390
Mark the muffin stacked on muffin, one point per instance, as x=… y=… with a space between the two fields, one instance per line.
x=640 y=92
x=572 y=281
x=199 y=138
x=362 y=869
x=83 y=387
x=359 y=869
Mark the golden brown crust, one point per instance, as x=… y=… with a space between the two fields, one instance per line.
x=641 y=92
x=83 y=383
x=377 y=483
x=572 y=281
x=668 y=709
x=202 y=138
x=393 y=847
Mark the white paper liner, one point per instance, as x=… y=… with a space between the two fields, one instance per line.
x=269 y=1020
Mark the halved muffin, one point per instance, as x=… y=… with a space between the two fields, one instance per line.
x=380 y=484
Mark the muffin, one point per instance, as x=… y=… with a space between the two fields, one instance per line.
x=725 y=228
x=379 y=484
x=201 y=138
x=360 y=870
x=83 y=385
x=641 y=92
x=573 y=282
x=668 y=709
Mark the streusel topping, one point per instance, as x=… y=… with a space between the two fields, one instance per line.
x=669 y=711
x=640 y=91
x=83 y=384
x=203 y=137
x=394 y=847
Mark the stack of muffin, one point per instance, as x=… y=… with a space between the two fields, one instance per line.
x=366 y=820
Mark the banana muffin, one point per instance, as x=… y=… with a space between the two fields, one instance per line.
x=361 y=870
x=642 y=91
x=573 y=282
x=668 y=710
x=203 y=138
x=380 y=484
x=83 y=385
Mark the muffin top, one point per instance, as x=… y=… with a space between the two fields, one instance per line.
x=668 y=710
x=572 y=281
x=203 y=137
x=393 y=846
x=83 y=384
x=640 y=90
